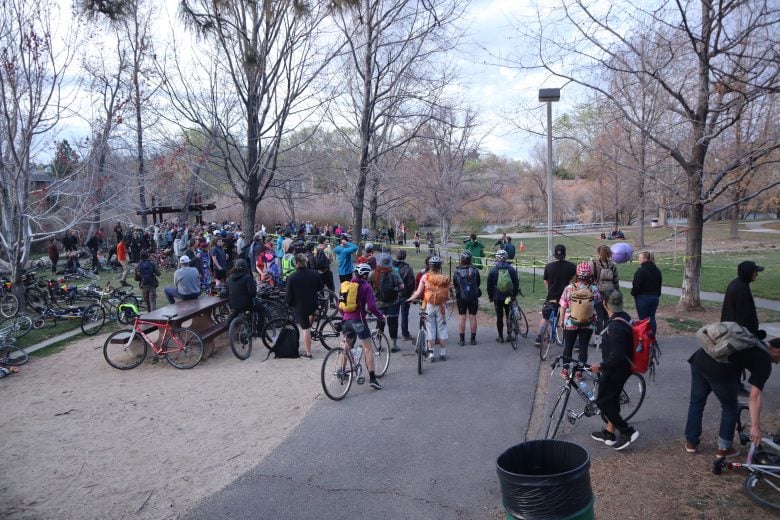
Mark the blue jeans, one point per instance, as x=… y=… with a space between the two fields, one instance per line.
x=726 y=392
x=646 y=305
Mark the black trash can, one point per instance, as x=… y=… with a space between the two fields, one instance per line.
x=546 y=479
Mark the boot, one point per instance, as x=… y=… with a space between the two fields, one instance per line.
x=394 y=347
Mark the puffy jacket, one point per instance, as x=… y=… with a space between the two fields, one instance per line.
x=241 y=289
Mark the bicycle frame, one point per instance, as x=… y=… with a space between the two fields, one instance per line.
x=166 y=331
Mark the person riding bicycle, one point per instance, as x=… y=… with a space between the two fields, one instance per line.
x=613 y=371
x=578 y=303
x=355 y=320
x=466 y=282
x=502 y=283
x=435 y=289
x=240 y=290
x=557 y=275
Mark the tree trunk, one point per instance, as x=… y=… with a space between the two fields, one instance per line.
x=358 y=201
x=734 y=227
x=690 y=297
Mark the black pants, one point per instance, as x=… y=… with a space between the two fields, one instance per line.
x=610 y=386
x=327 y=279
x=570 y=338
x=502 y=310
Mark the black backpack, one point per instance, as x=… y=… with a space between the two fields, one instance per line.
x=286 y=344
x=146 y=270
x=321 y=261
x=406 y=273
x=467 y=285
x=388 y=290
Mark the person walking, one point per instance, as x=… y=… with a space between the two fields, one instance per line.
x=578 y=303
x=388 y=287
x=613 y=372
x=123 y=257
x=466 y=282
x=343 y=253
x=146 y=273
x=186 y=282
x=557 y=275
x=503 y=287
x=407 y=276
x=646 y=288
x=302 y=288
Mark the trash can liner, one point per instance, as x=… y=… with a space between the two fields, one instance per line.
x=545 y=479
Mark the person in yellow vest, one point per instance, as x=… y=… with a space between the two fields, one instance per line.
x=435 y=289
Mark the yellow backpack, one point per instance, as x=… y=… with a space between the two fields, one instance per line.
x=348 y=296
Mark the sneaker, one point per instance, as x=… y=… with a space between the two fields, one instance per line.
x=461 y=342
x=625 y=439
x=727 y=453
x=538 y=342
x=690 y=448
x=500 y=339
x=125 y=284
x=375 y=384
x=305 y=355
x=443 y=358
x=604 y=436
x=431 y=358
x=395 y=348
x=565 y=373
x=473 y=341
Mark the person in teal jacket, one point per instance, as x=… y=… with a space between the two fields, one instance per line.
x=343 y=253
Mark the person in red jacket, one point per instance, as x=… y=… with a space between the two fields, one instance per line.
x=123 y=258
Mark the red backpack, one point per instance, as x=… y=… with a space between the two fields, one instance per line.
x=644 y=343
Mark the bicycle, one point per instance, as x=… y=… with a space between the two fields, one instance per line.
x=344 y=364
x=421 y=344
x=9 y=303
x=10 y=354
x=552 y=333
x=15 y=326
x=631 y=398
x=517 y=323
x=92 y=317
x=762 y=485
x=126 y=349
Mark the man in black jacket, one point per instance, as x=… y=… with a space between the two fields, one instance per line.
x=738 y=304
x=407 y=275
x=302 y=288
x=241 y=289
x=614 y=370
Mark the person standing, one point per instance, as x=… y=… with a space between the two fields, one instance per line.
x=613 y=372
x=219 y=261
x=738 y=303
x=343 y=253
x=605 y=275
x=322 y=261
x=466 y=282
x=146 y=273
x=578 y=303
x=123 y=257
x=407 y=276
x=54 y=254
x=93 y=244
x=435 y=289
x=302 y=288
x=118 y=232
x=186 y=282
x=646 y=288
x=477 y=250
x=502 y=284
x=509 y=247
x=388 y=286
x=557 y=275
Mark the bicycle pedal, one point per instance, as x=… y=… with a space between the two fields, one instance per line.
x=571 y=416
x=361 y=380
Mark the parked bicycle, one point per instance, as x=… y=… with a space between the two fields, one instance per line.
x=552 y=333
x=585 y=384
x=126 y=349
x=10 y=354
x=9 y=303
x=91 y=317
x=15 y=326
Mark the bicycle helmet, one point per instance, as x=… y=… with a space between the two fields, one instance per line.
x=362 y=269
x=465 y=257
x=584 y=270
x=434 y=261
x=501 y=255
x=369 y=246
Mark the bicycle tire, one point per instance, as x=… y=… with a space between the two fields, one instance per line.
x=522 y=322
x=240 y=338
x=9 y=305
x=336 y=374
x=187 y=352
x=558 y=333
x=762 y=488
x=220 y=313
x=513 y=329
x=544 y=347
x=127 y=354
x=12 y=355
x=275 y=308
x=329 y=332
x=631 y=397
x=271 y=331
x=381 y=348
x=17 y=326
x=90 y=317
x=420 y=346
x=35 y=298
x=557 y=413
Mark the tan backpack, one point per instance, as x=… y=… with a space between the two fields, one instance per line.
x=581 y=306
x=437 y=288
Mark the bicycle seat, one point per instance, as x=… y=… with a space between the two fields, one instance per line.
x=169 y=316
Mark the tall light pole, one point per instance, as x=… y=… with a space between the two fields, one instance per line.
x=549 y=95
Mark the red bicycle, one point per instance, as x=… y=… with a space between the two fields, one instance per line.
x=126 y=349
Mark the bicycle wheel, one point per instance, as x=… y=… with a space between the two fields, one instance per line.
x=271 y=331
x=9 y=305
x=329 y=332
x=330 y=301
x=220 y=313
x=522 y=322
x=336 y=374
x=12 y=355
x=763 y=487
x=381 y=349
x=513 y=329
x=632 y=396
x=558 y=333
x=92 y=319
x=36 y=298
x=275 y=308
x=544 y=347
x=185 y=350
x=240 y=334
x=420 y=346
x=125 y=350
x=558 y=411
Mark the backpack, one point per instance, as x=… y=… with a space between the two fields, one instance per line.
x=722 y=339
x=581 y=305
x=504 y=283
x=348 y=296
x=469 y=290
x=321 y=261
x=286 y=344
x=272 y=265
x=146 y=271
x=288 y=265
x=606 y=275
x=407 y=276
x=643 y=346
x=388 y=290
x=437 y=288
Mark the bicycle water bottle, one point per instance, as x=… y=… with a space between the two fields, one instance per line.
x=586 y=390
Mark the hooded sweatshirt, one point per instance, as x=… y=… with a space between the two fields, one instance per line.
x=738 y=304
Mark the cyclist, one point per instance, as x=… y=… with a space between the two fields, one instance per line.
x=466 y=282
x=578 y=302
x=241 y=289
x=355 y=321
x=436 y=289
x=502 y=283
x=557 y=275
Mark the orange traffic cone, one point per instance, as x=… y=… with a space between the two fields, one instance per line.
x=522 y=247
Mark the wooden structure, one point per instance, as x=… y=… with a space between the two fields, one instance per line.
x=196 y=206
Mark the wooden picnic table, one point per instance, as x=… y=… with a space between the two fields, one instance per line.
x=194 y=314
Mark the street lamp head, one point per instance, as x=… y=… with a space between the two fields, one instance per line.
x=549 y=94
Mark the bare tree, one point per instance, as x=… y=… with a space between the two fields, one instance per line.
x=719 y=60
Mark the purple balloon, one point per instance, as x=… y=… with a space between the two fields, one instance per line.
x=621 y=252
